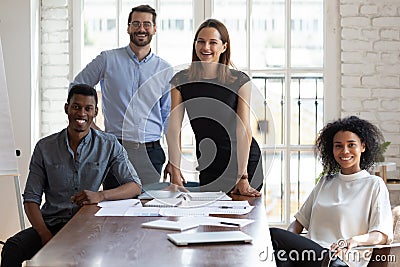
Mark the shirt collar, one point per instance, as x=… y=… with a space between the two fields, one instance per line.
x=355 y=176
x=88 y=137
x=85 y=140
x=135 y=58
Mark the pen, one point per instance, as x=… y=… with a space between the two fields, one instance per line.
x=229 y=207
x=228 y=223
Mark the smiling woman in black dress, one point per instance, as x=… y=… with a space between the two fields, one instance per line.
x=216 y=98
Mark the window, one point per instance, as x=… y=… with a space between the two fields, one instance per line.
x=279 y=43
x=288 y=72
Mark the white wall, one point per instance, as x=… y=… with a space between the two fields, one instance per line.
x=15 y=31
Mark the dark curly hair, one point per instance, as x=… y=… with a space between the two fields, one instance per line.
x=368 y=133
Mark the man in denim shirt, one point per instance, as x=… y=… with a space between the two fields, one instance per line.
x=69 y=167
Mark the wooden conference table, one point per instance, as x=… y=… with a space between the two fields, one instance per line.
x=89 y=241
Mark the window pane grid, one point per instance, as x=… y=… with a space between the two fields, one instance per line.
x=306 y=119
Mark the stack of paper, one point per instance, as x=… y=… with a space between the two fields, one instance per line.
x=159 y=194
x=119 y=203
x=200 y=196
x=117 y=207
x=208 y=196
x=182 y=204
x=185 y=223
x=171 y=225
x=204 y=211
x=165 y=202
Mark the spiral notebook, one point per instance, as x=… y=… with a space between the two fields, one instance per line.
x=208 y=196
x=165 y=202
x=150 y=194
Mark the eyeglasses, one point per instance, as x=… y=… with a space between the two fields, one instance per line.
x=137 y=24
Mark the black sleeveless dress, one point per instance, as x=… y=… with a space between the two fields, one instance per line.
x=212 y=111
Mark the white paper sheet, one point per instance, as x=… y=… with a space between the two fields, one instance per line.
x=112 y=211
x=120 y=203
x=204 y=211
x=185 y=223
x=143 y=211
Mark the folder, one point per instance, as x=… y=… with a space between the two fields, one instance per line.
x=184 y=239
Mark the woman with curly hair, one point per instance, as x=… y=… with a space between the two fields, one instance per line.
x=348 y=207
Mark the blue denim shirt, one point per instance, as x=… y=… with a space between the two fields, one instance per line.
x=135 y=94
x=54 y=172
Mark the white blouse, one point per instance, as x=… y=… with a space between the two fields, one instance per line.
x=344 y=206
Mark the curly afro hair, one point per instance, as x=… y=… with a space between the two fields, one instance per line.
x=368 y=133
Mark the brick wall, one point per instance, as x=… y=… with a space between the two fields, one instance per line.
x=370 y=65
x=55 y=63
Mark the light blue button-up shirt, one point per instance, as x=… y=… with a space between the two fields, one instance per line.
x=54 y=171
x=135 y=94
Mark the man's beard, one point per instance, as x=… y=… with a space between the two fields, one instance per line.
x=135 y=41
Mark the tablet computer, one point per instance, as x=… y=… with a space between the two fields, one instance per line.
x=184 y=239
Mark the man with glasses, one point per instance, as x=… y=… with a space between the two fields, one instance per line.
x=135 y=95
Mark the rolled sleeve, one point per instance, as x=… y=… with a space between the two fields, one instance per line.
x=121 y=167
x=36 y=180
x=92 y=73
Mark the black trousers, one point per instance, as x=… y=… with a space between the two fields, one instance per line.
x=225 y=180
x=23 y=246
x=147 y=161
x=291 y=249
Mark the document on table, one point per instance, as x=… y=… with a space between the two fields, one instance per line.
x=117 y=207
x=204 y=211
x=219 y=221
x=143 y=211
x=159 y=194
x=133 y=207
x=220 y=203
x=180 y=225
x=119 y=203
x=129 y=211
x=175 y=211
x=112 y=211
x=202 y=196
x=208 y=196
x=185 y=223
x=165 y=202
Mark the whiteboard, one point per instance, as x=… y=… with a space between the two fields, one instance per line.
x=8 y=159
